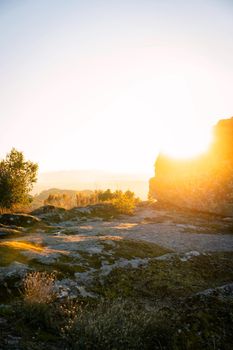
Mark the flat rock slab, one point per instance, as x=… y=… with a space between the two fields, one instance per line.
x=89 y=237
x=166 y=233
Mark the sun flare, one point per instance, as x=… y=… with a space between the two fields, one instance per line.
x=187 y=143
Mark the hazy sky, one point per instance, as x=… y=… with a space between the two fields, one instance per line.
x=106 y=84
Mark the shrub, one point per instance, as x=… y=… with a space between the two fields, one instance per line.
x=117 y=325
x=38 y=288
x=123 y=202
x=124 y=205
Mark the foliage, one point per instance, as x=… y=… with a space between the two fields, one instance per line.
x=105 y=196
x=116 y=325
x=68 y=201
x=59 y=200
x=191 y=324
x=83 y=199
x=17 y=177
x=124 y=202
x=163 y=306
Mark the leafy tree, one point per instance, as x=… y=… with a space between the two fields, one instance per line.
x=17 y=177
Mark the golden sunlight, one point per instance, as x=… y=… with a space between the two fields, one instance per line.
x=187 y=142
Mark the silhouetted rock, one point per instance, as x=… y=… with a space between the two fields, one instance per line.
x=204 y=183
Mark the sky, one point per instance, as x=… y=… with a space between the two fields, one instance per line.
x=108 y=84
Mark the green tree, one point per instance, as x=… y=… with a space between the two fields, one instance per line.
x=17 y=177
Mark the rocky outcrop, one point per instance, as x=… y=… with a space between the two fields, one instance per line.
x=19 y=220
x=15 y=270
x=204 y=183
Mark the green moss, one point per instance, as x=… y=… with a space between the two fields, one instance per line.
x=129 y=249
x=66 y=269
x=203 y=323
x=92 y=260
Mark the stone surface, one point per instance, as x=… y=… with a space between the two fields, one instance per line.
x=19 y=220
x=225 y=291
x=91 y=251
x=204 y=183
x=14 y=270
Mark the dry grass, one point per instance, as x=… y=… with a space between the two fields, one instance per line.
x=22 y=246
x=38 y=288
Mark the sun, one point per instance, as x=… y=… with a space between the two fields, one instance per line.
x=186 y=143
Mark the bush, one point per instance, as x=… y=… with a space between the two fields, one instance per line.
x=38 y=288
x=123 y=202
x=194 y=323
x=118 y=325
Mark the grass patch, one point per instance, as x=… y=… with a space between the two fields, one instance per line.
x=67 y=266
x=168 y=279
x=158 y=309
x=192 y=324
x=129 y=249
x=9 y=255
x=92 y=260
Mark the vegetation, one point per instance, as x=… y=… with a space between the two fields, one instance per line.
x=138 y=295
x=17 y=177
x=68 y=201
x=59 y=200
x=123 y=202
x=38 y=287
x=118 y=325
x=167 y=280
x=159 y=306
x=83 y=199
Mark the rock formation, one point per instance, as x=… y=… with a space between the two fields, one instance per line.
x=204 y=183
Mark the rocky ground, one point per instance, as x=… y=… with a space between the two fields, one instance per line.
x=161 y=252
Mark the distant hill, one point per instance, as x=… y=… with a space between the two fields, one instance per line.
x=81 y=180
x=44 y=194
x=41 y=197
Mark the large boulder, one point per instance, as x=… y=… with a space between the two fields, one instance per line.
x=50 y=214
x=204 y=183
